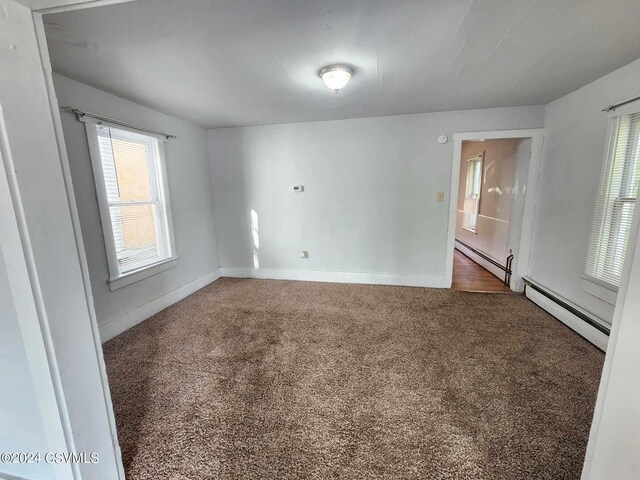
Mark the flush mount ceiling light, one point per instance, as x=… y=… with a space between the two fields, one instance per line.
x=336 y=77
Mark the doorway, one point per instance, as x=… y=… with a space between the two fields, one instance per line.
x=494 y=183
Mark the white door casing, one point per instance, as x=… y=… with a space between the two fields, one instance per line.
x=521 y=264
x=60 y=329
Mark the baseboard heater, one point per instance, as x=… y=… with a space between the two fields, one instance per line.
x=587 y=325
x=506 y=268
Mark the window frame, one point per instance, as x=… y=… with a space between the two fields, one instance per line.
x=478 y=161
x=594 y=285
x=116 y=279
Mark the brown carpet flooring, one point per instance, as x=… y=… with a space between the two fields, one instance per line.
x=268 y=379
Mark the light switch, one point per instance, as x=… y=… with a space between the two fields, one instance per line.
x=298 y=188
x=440 y=197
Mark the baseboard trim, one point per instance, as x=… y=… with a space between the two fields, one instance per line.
x=432 y=281
x=120 y=324
x=575 y=323
x=479 y=260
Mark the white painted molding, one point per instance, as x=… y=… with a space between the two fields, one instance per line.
x=124 y=322
x=146 y=272
x=57 y=6
x=498 y=134
x=30 y=311
x=595 y=336
x=433 y=281
x=606 y=294
x=77 y=232
x=521 y=269
x=120 y=324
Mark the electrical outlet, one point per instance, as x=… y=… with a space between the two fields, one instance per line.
x=440 y=197
x=298 y=188
x=304 y=254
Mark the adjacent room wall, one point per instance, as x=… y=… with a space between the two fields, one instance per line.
x=572 y=161
x=501 y=198
x=189 y=178
x=370 y=194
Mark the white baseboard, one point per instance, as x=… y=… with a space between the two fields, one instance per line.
x=124 y=322
x=433 y=281
x=595 y=336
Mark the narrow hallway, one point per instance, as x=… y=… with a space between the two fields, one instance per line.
x=468 y=276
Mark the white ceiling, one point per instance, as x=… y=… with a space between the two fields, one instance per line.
x=247 y=62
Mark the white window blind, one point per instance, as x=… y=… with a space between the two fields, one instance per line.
x=615 y=201
x=138 y=228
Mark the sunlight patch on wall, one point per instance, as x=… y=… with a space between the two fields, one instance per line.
x=255 y=235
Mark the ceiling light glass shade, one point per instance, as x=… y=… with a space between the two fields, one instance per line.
x=336 y=77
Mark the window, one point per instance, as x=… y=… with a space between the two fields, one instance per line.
x=134 y=205
x=615 y=201
x=472 y=193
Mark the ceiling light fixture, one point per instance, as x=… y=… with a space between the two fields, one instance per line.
x=336 y=77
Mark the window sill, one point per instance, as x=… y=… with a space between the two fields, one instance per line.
x=599 y=289
x=469 y=229
x=141 y=274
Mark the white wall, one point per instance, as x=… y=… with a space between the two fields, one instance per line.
x=572 y=161
x=504 y=167
x=369 y=203
x=189 y=177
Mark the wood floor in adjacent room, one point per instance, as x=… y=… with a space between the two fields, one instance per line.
x=265 y=379
x=468 y=276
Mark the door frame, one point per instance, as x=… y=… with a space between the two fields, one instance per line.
x=29 y=309
x=533 y=179
x=47 y=69
x=55 y=402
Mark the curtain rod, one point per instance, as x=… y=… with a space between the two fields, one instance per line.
x=612 y=108
x=82 y=113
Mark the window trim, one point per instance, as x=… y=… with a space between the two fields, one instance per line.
x=117 y=280
x=605 y=291
x=142 y=273
x=599 y=287
x=478 y=160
